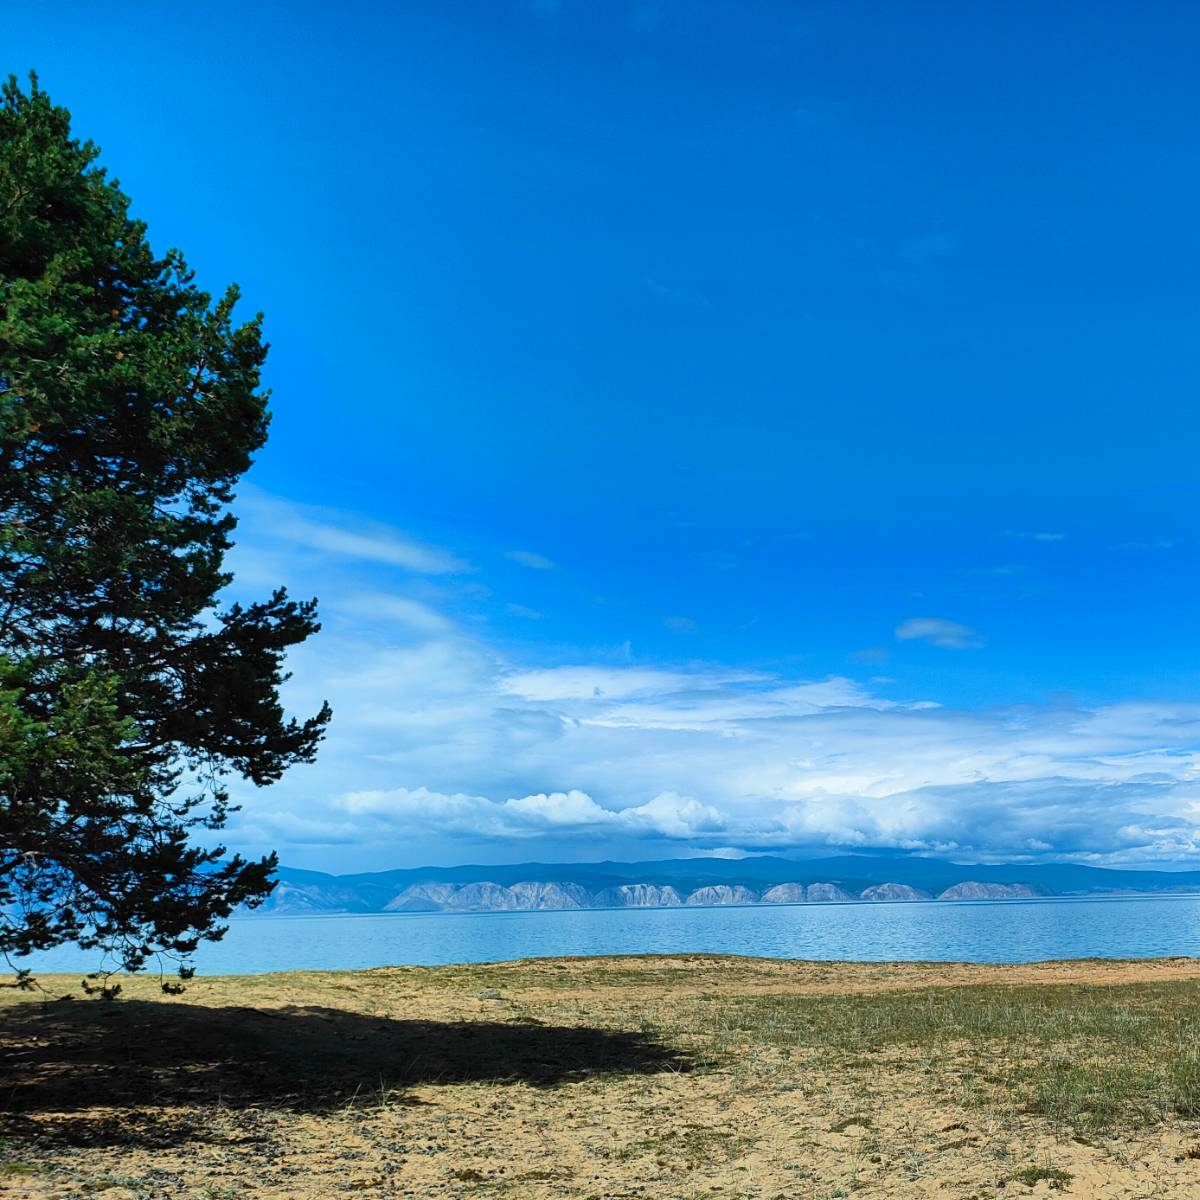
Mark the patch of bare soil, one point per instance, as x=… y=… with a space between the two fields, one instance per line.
x=660 y=1077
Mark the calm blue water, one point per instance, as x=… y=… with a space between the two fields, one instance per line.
x=996 y=931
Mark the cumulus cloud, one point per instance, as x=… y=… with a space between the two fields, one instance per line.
x=410 y=811
x=444 y=748
x=443 y=742
x=951 y=635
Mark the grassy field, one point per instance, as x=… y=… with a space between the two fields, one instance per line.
x=689 y=1077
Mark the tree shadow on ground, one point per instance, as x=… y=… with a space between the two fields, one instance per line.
x=62 y=1063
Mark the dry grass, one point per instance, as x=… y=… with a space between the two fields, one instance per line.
x=672 y=1077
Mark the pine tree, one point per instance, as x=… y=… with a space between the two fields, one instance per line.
x=130 y=405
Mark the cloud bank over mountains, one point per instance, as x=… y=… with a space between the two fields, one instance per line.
x=445 y=743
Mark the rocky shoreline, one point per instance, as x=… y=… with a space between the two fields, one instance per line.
x=702 y=882
x=534 y=895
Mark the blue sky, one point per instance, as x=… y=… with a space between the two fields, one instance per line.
x=707 y=426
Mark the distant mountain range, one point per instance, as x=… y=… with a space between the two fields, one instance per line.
x=701 y=881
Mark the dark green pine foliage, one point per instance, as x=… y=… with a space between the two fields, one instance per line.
x=129 y=407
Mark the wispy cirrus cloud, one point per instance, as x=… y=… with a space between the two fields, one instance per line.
x=523 y=610
x=677 y=295
x=872 y=655
x=402 y=610
x=926 y=247
x=937 y=631
x=530 y=559
x=332 y=532
x=679 y=624
x=1160 y=543
x=815 y=113
x=1004 y=570
x=1025 y=535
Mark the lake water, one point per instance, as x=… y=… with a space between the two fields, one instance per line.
x=984 y=931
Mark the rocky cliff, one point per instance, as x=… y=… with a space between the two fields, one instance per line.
x=892 y=892
x=704 y=881
x=785 y=893
x=637 y=895
x=973 y=890
x=722 y=894
x=551 y=895
x=528 y=895
x=826 y=893
x=814 y=893
x=422 y=897
x=699 y=882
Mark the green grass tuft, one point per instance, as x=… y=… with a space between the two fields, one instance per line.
x=1091 y=1058
x=1058 y=1179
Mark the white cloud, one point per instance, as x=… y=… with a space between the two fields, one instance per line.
x=330 y=532
x=677 y=296
x=928 y=246
x=681 y=624
x=530 y=559
x=443 y=743
x=1162 y=543
x=950 y=635
x=444 y=748
x=407 y=811
x=401 y=610
x=521 y=610
x=1022 y=535
x=872 y=655
x=592 y=682
x=815 y=113
x=443 y=740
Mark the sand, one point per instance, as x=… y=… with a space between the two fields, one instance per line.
x=590 y=1078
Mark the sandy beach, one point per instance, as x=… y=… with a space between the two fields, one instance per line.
x=682 y=1077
